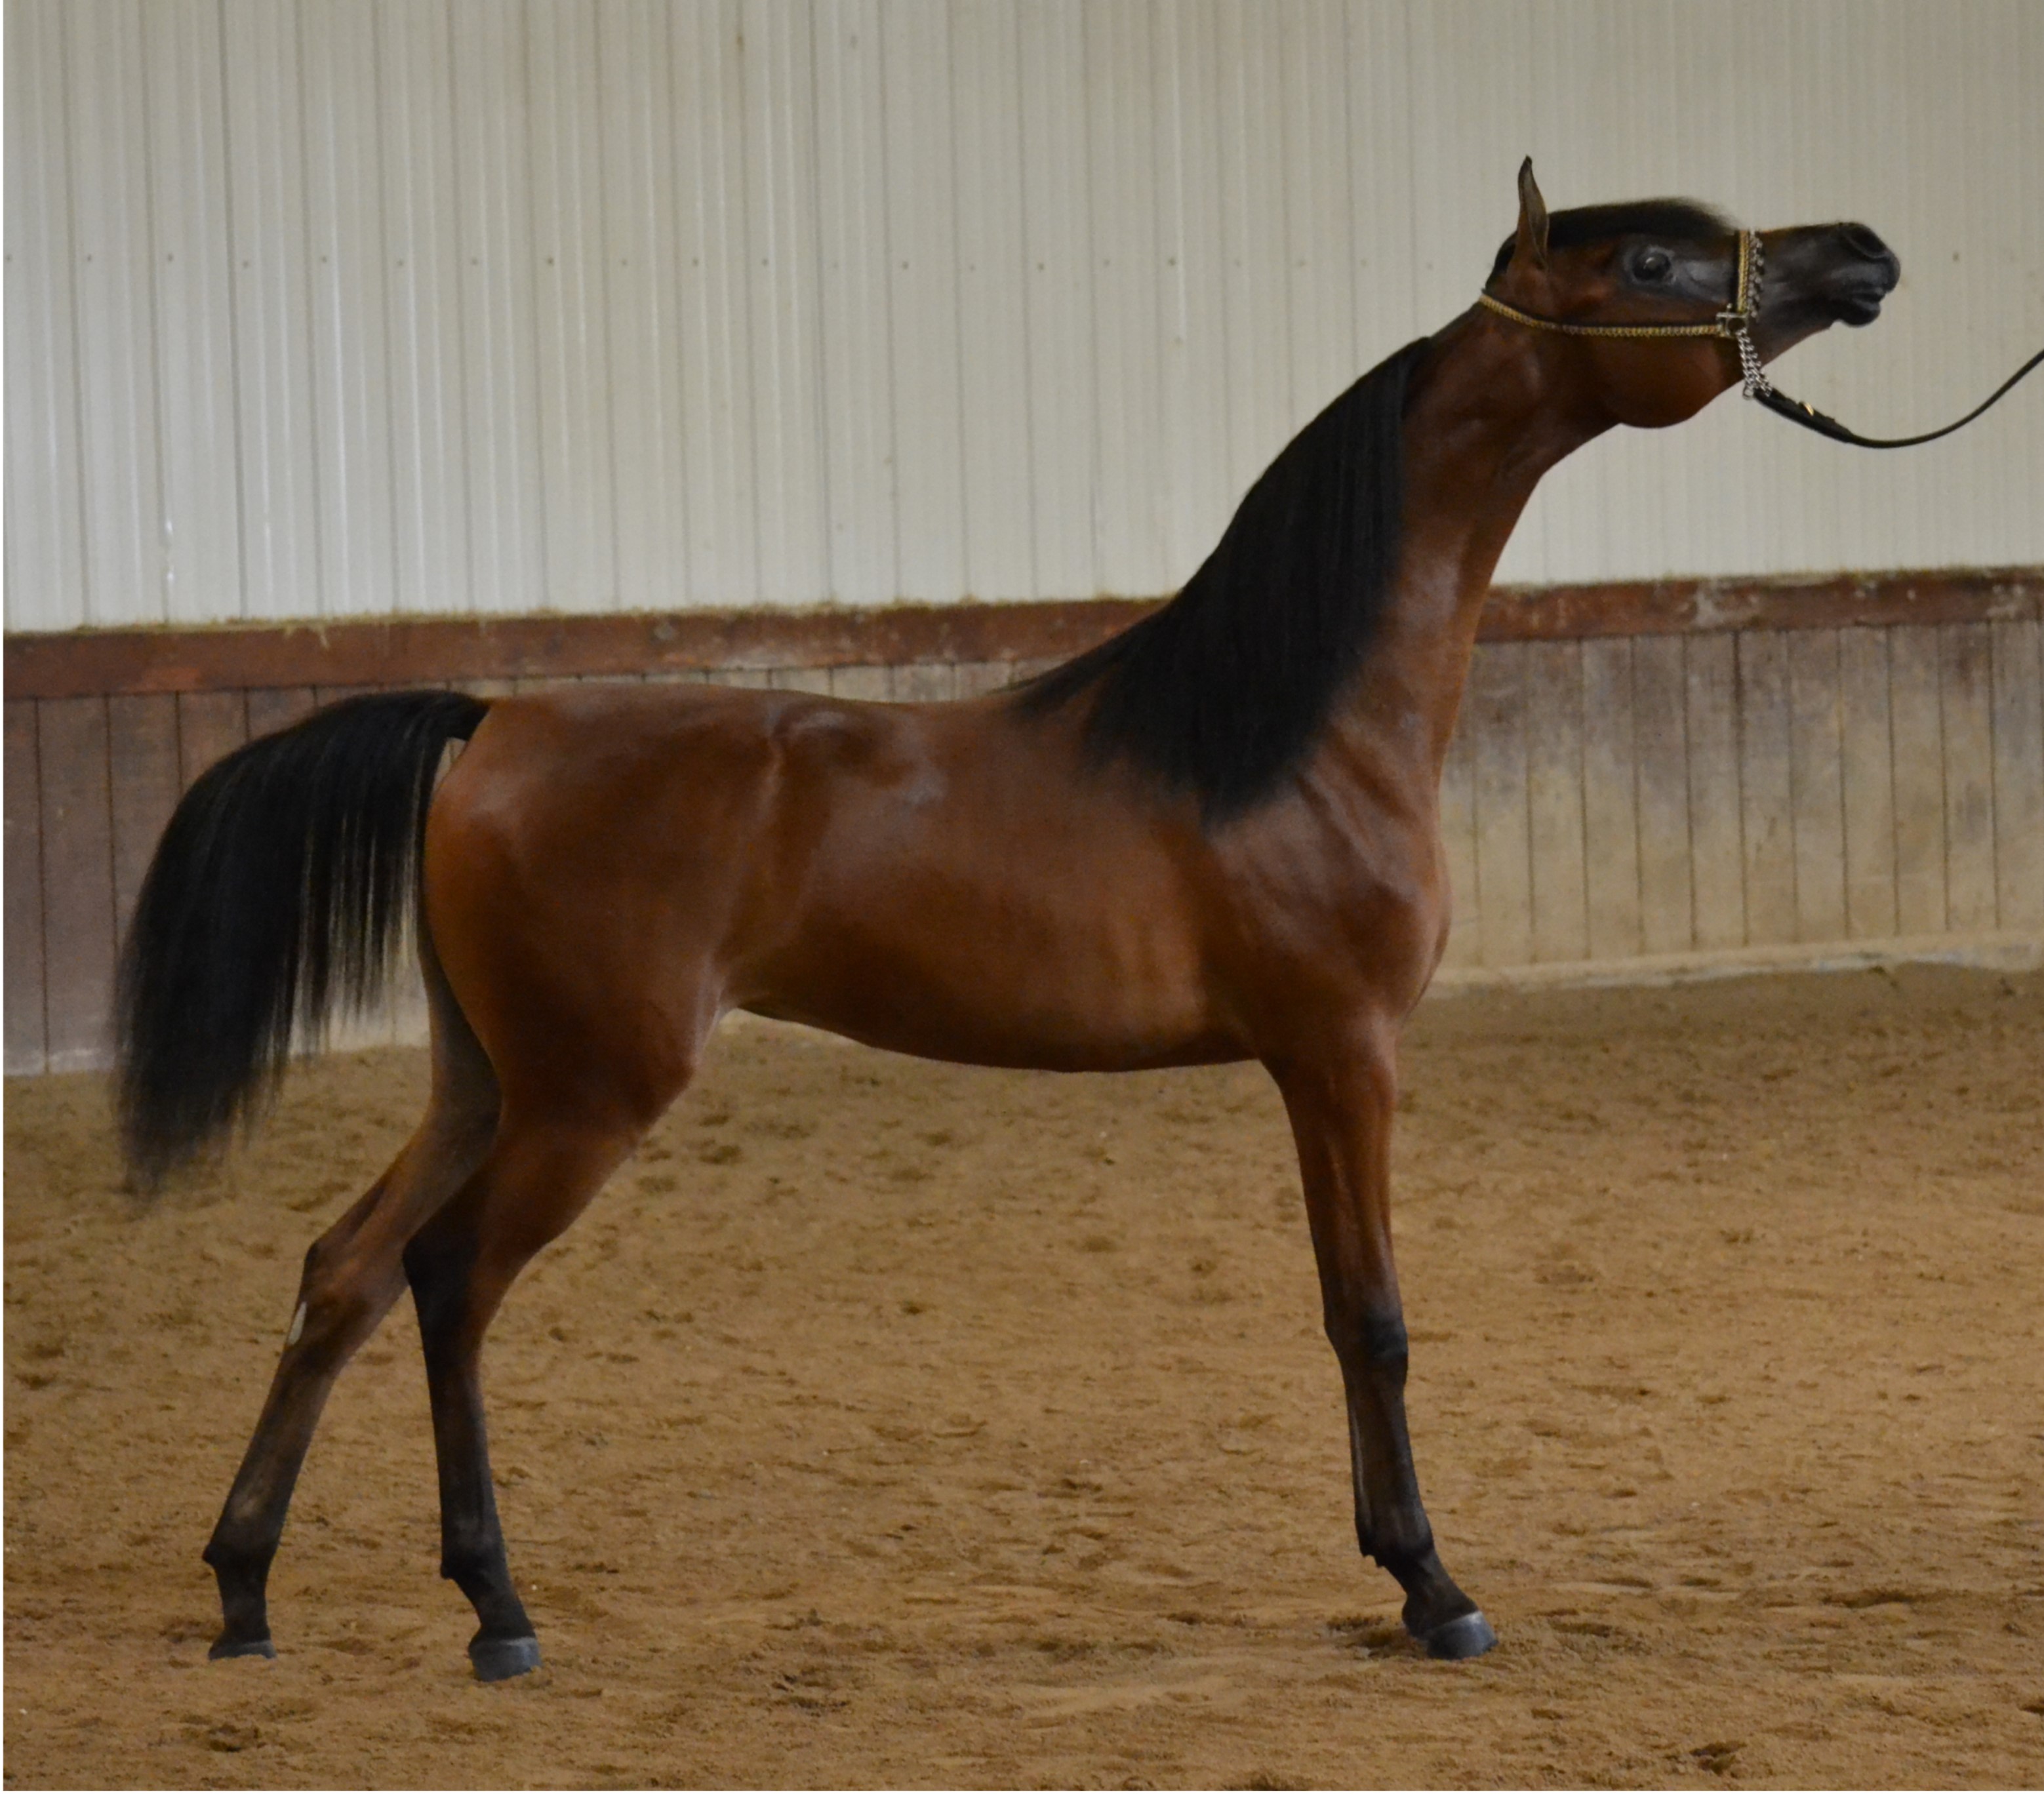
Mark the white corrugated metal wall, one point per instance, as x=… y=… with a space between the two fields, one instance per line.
x=327 y=307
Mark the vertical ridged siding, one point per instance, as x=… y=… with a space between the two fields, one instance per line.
x=333 y=307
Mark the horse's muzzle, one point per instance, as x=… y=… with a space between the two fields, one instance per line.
x=1863 y=274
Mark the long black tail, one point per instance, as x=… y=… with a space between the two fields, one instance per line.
x=279 y=892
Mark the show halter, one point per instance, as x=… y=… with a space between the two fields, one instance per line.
x=1735 y=323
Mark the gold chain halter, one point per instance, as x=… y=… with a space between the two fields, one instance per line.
x=1734 y=322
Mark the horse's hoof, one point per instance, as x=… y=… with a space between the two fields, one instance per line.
x=496 y=1659
x=228 y=1646
x=1467 y=1637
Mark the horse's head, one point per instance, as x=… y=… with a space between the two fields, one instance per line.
x=1661 y=267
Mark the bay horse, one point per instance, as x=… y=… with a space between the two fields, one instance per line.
x=1214 y=838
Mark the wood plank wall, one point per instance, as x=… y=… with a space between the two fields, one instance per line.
x=1628 y=796
x=1608 y=796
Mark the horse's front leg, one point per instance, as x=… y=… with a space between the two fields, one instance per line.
x=1340 y=1104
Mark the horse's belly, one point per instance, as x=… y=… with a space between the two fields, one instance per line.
x=1048 y=1042
x=1006 y=983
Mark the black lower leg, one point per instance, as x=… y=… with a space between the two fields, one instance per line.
x=472 y=1551
x=1341 y=1111
x=504 y=1643
x=334 y=1315
x=244 y=1606
x=1391 y=1522
x=472 y=1554
x=252 y=1521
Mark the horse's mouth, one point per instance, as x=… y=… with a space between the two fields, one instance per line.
x=1857 y=307
x=1855 y=293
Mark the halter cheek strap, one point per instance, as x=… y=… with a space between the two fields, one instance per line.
x=1735 y=323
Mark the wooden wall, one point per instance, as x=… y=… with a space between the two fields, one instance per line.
x=1639 y=795
x=1639 y=771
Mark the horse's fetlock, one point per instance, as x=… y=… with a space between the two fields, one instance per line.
x=238 y=1561
x=1403 y=1549
x=472 y=1560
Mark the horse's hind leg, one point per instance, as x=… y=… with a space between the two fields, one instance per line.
x=1341 y=1110
x=353 y=1274
x=540 y=1176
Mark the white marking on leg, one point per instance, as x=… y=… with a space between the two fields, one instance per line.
x=298 y=1327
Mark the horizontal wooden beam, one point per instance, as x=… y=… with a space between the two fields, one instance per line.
x=427 y=651
x=1829 y=601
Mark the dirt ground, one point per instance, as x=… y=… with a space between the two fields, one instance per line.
x=887 y=1423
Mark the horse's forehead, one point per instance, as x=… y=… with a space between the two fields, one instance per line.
x=1679 y=220
x=1593 y=227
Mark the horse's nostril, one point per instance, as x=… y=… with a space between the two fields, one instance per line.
x=1862 y=241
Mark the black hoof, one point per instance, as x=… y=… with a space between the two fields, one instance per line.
x=1467 y=1637
x=496 y=1659
x=228 y=1646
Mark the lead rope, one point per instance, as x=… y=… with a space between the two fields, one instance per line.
x=1798 y=412
x=1736 y=322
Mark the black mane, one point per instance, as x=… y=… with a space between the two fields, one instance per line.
x=1680 y=221
x=1225 y=690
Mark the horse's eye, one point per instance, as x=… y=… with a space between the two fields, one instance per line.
x=1653 y=265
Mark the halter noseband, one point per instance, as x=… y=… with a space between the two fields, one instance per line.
x=1735 y=323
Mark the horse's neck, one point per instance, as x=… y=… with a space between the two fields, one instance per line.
x=1483 y=424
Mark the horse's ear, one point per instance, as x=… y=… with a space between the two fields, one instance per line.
x=1531 y=246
